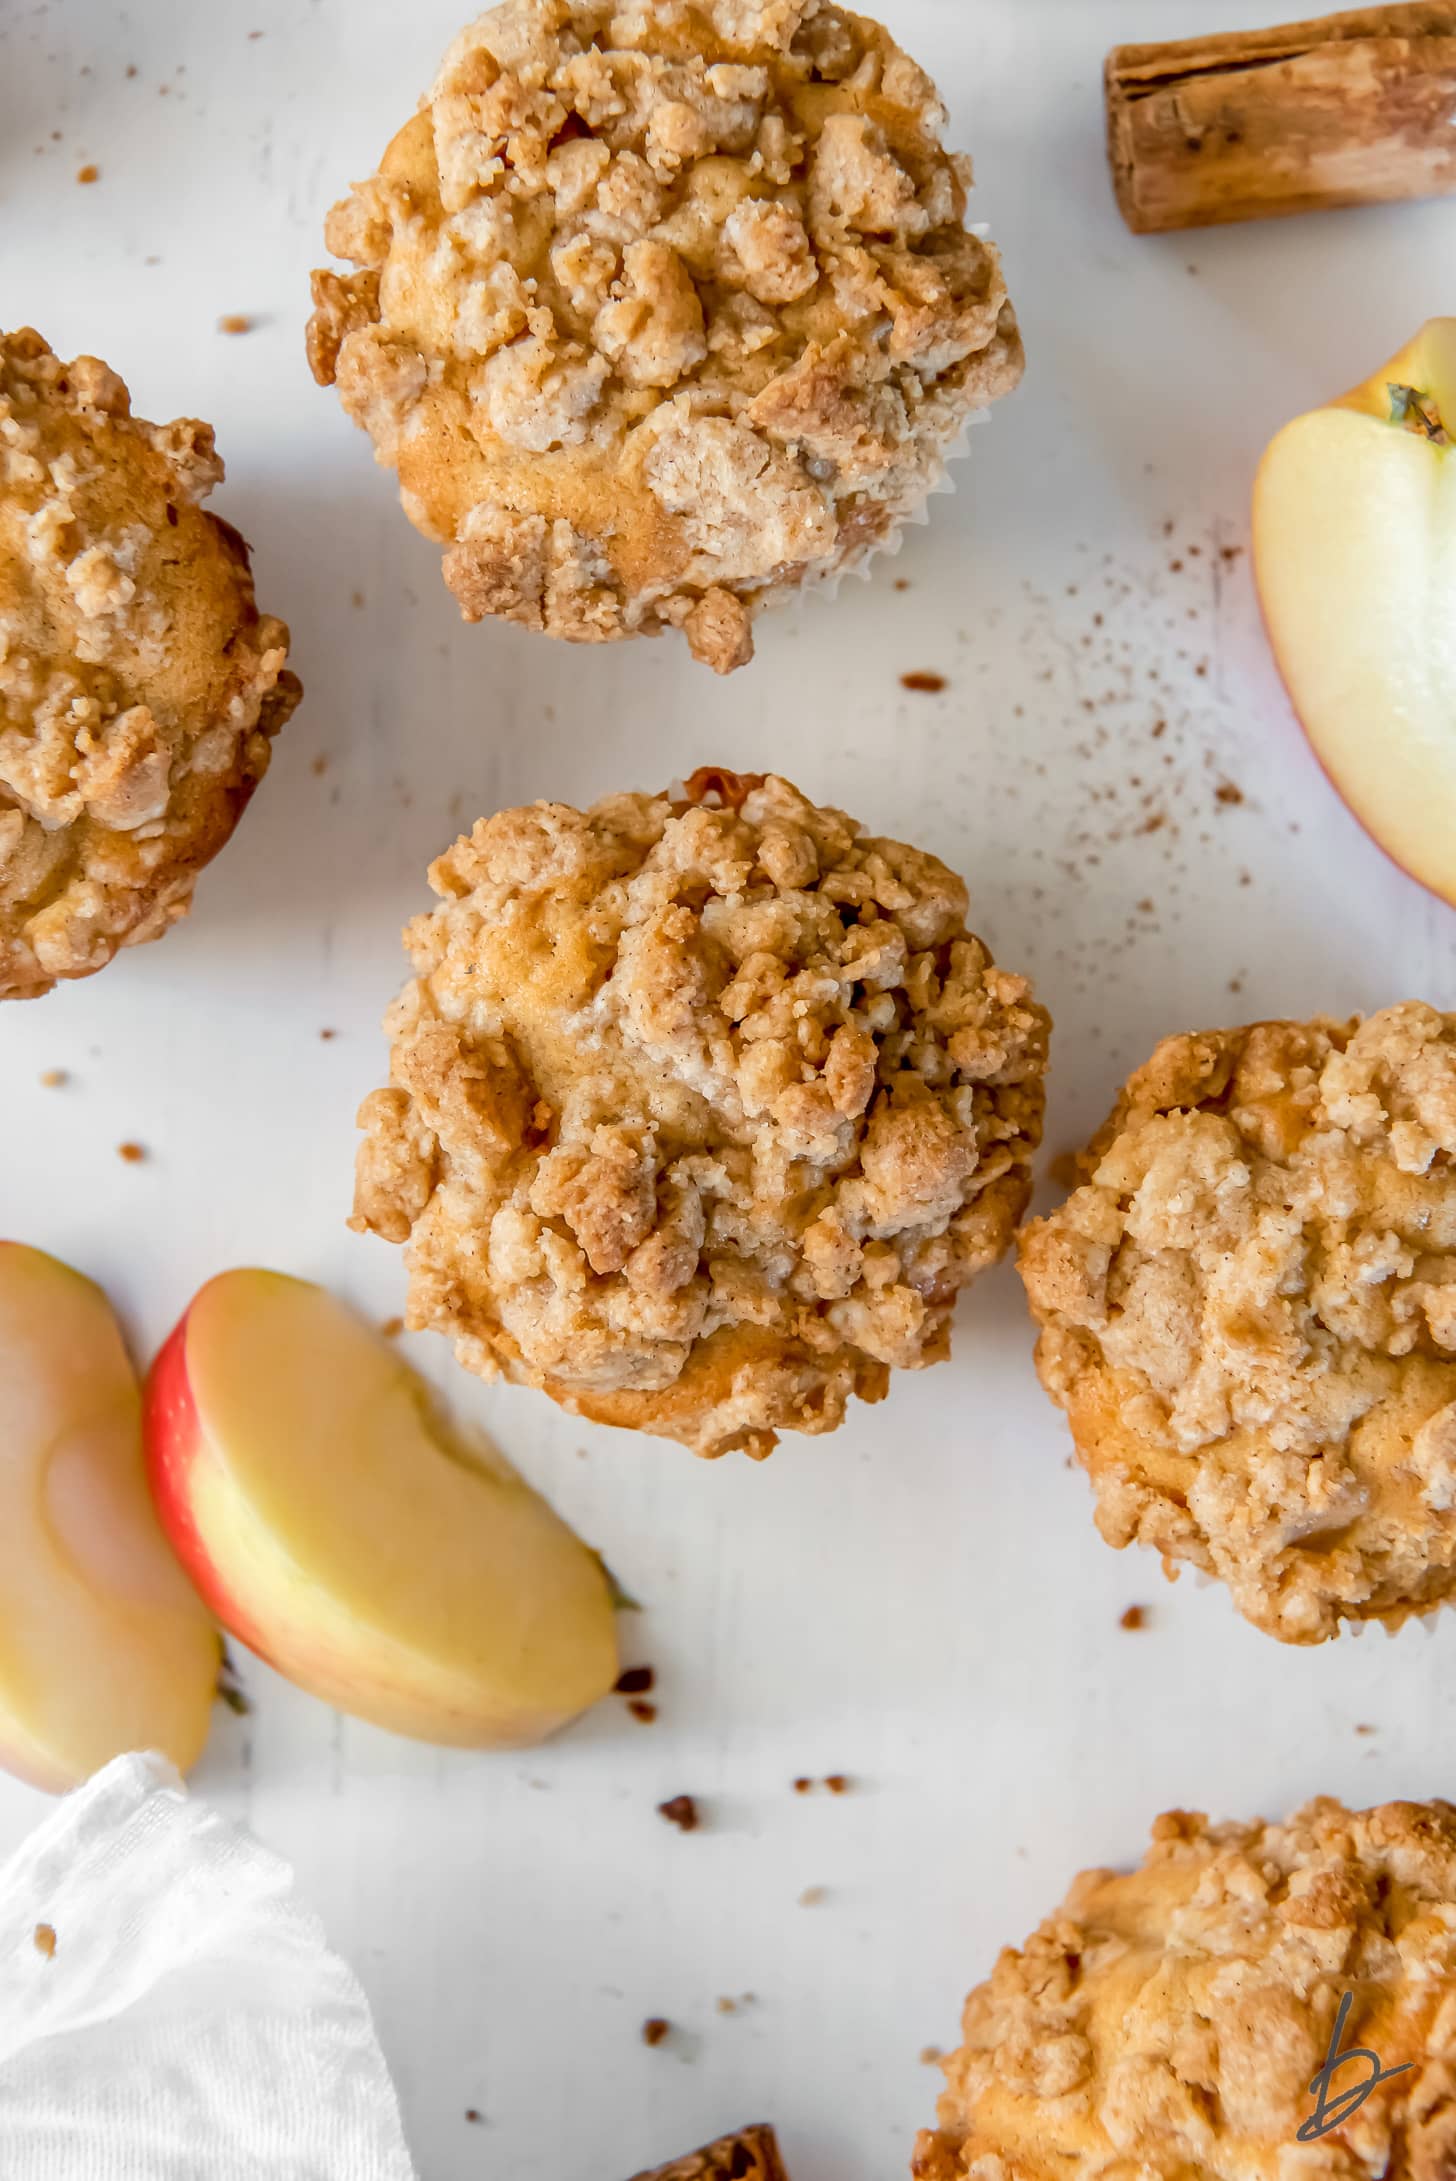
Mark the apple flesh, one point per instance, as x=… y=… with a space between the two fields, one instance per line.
x=340 y=1527
x=1355 y=561
x=104 y=1648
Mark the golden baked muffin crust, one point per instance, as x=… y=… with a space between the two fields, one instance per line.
x=702 y=1111
x=663 y=310
x=1167 y=2025
x=1249 y=1314
x=138 y=685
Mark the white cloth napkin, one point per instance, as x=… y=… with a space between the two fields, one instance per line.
x=191 y=2020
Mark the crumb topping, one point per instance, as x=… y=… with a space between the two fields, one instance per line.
x=663 y=308
x=138 y=685
x=1249 y=1313
x=702 y=1111
x=1167 y=2024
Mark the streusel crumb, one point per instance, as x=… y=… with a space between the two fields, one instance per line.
x=702 y=1110
x=1167 y=2025
x=1248 y=1311
x=663 y=310
x=138 y=685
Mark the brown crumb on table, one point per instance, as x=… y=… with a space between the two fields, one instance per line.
x=812 y=1896
x=470 y=2112
x=838 y=1783
x=802 y=1785
x=1134 y=1618
x=88 y=173
x=326 y=1035
x=931 y=2055
x=133 y=1154
x=641 y=1709
x=680 y=1811
x=1063 y=1170
x=132 y=70
x=902 y=583
x=235 y=322
x=635 y=1681
x=654 y=2030
x=1228 y=792
x=45 y=1941
x=1364 y=1730
x=319 y=765
x=54 y=1079
x=929 y=684
x=356 y=598
x=392 y=1328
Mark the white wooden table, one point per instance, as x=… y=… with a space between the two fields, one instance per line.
x=920 y=1602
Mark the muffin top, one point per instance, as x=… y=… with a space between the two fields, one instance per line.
x=1249 y=1313
x=138 y=685
x=662 y=308
x=702 y=1109
x=1166 y=2026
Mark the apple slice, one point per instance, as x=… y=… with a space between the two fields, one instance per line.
x=104 y=1648
x=1355 y=561
x=339 y=1526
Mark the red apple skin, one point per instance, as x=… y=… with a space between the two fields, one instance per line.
x=173 y=1437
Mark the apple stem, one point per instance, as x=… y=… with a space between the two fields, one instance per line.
x=1419 y=414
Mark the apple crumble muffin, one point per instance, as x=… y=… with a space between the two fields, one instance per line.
x=663 y=311
x=1248 y=1311
x=1168 y=2024
x=702 y=1110
x=138 y=685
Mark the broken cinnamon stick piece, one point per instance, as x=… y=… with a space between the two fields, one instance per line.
x=1358 y=108
x=751 y=2155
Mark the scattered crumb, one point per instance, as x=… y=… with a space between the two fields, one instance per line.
x=320 y=765
x=45 y=1941
x=802 y=1786
x=258 y=34
x=812 y=1896
x=1063 y=1170
x=88 y=173
x=654 y=2030
x=929 y=684
x=902 y=583
x=1364 y=1730
x=1228 y=554
x=681 y=1811
x=356 y=598
x=327 y=1034
x=1228 y=792
x=235 y=322
x=132 y=70
x=641 y=1709
x=132 y=1153
x=1134 y=1618
x=471 y=2114
x=838 y=1783
x=392 y=1328
x=636 y=1681
x=729 y=2005
x=931 y=2055
x=54 y=1079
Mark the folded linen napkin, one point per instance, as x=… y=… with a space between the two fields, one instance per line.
x=167 y=2009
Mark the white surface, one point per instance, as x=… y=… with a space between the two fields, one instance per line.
x=188 y=2014
x=921 y=1601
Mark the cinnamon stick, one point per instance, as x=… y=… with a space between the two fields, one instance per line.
x=1357 y=108
x=751 y=2155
